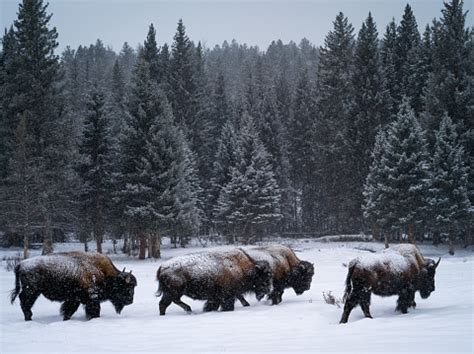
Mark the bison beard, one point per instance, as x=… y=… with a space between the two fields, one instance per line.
x=73 y=278
x=217 y=277
x=401 y=270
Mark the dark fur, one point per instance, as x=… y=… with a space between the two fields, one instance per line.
x=361 y=283
x=241 y=274
x=288 y=271
x=100 y=282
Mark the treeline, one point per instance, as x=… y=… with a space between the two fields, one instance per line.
x=361 y=134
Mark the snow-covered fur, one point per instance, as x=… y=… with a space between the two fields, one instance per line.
x=218 y=277
x=73 y=278
x=287 y=269
x=399 y=270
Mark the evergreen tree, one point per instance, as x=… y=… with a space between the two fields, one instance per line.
x=301 y=149
x=407 y=161
x=150 y=54
x=226 y=157
x=134 y=191
x=95 y=166
x=449 y=200
x=189 y=204
x=335 y=100
x=388 y=56
x=407 y=45
x=378 y=196
x=32 y=73
x=249 y=203
x=164 y=69
x=127 y=59
x=181 y=78
x=368 y=113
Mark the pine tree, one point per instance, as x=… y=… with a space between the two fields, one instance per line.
x=388 y=56
x=127 y=59
x=407 y=45
x=377 y=194
x=181 y=78
x=189 y=204
x=368 y=113
x=335 y=100
x=134 y=192
x=249 y=203
x=301 y=149
x=449 y=200
x=226 y=157
x=31 y=80
x=96 y=166
x=150 y=53
x=407 y=161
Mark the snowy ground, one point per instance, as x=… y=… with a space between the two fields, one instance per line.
x=442 y=323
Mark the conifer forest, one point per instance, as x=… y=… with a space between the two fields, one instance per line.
x=369 y=132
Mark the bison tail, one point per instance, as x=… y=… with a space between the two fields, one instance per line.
x=348 y=283
x=14 y=293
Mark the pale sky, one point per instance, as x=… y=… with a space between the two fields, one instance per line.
x=212 y=21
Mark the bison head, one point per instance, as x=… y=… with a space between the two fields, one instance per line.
x=426 y=279
x=262 y=279
x=301 y=276
x=123 y=290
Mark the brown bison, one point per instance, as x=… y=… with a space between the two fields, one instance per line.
x=218 y=277
x=73 y=278
x=399 y=270
x=287 y=269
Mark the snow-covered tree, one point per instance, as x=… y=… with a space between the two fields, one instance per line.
x=407 y=160
x=449 y=202
x=96 y=166
x=368 y=113
x=249 y=203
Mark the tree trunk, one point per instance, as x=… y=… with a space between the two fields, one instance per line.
x=467 y=235
x=436 y=237
x=98 y=241
x=150 y=245
x=142 y=245
x=411 y=233
x=48 y=236
x=26 y=244
x=375 y=232
x=386 y=236
x=155 y=246
x=451 y=242
x=125 y=244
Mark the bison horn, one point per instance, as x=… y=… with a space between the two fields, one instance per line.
x=437 y=263
x=130 y=272
x=123 y=271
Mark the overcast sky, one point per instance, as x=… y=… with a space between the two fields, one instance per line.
x=212 y=22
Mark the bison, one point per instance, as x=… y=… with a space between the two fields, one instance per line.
x=399 y=270
x=218 y=277
x=288 y=271
x=73 y=278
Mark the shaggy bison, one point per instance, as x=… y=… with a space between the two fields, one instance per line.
x=218 y=277
x=399 y=270
x=73 y=278
x=287 y=269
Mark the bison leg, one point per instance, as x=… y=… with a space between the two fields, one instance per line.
x=165 y=301
x=228 y=304
x=92 y=310
x=184 y=306
x=68 y=309
x=211 y=305
x=243 y=301
x=406 y=298
x=276 y=297
x=365 y=303
x=27 y=300
x=348 y=306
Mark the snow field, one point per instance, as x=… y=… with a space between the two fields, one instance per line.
x=441 y=323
